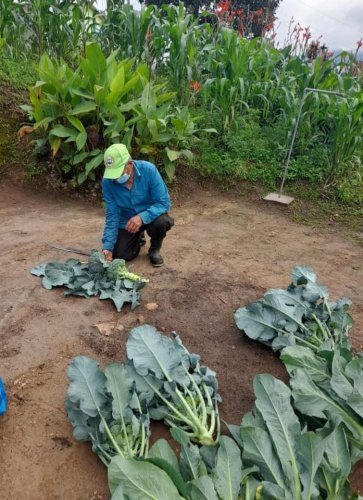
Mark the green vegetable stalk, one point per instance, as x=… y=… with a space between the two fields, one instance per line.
x=181 y=391
x=104 y=409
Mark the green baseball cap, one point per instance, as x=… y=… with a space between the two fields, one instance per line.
x=115 y=158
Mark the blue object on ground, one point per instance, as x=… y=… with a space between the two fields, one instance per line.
x=3 y=399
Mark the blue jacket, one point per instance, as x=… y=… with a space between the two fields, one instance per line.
x=148 y=197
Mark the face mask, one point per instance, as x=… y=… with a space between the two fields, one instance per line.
x=123 y=179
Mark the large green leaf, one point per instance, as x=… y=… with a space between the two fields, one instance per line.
x=172 y=155
x=86 y=385
x=91 y=165
x=311 y=451
x=339 y=382
x=273 y=402
x=60 y=131
x=227 y=473
x=257 y=321
x=302 y=274
x=162 y=449
x=347 y=379
x=118 y=297
x=173 y=473
x=169 y=168
x=355 y=400
x=152 y=352
x=39 y=270
x=76 y=123
x=191 y=463
x=117 y=386
x=57 y=274
x=130 y=85
x=315 y=402
x=116 y=86
x=258 y=450
x=95 y=59
x=202 y=489
x=129 y=478
x=336 y=465
x=83 y=108
x=287 y=306
x=81 y=140
x=302 y=357
x=148 y=100
x=80 y=421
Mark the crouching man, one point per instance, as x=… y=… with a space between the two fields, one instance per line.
x=137 y=200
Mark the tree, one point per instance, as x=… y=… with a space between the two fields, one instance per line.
x=250 y=17
x=192 y=6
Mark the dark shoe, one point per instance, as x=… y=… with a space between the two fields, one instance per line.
x=142 y=239
x=155 y=257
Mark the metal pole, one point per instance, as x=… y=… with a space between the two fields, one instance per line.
x=307 y=90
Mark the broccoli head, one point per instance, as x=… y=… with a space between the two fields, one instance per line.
x=114 y=267
x=97 y=263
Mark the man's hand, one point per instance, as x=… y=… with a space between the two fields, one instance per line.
x=108 y=255
x=134 y=224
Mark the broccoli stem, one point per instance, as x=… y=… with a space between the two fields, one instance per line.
x=109 y=434
x=204 y=410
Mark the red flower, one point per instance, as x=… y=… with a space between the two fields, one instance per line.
x=195 y=86
x=223 y=6
x=148 y=34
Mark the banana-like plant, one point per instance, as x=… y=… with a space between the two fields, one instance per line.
x=103 y=101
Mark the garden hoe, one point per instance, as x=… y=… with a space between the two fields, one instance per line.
x=69 y=249
x=279 y=197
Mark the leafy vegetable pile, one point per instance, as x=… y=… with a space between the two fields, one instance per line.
x=326 y=387
x=161 y=380
x=298 y=442
x=300 y=315
x=109 y=280
x=184 y=393
x=273 y=456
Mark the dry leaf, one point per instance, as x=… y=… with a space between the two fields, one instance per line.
x=106 y=328
x=151 y=306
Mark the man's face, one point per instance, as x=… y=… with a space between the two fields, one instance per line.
x=128 y=168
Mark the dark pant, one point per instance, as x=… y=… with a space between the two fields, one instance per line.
x=128 y=244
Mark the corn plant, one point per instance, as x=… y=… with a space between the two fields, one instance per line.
x=126 y=30
x=207 y=66
x=346 y=133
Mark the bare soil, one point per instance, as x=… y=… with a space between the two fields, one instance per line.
x=223 y=252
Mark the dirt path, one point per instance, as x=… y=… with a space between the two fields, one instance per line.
x=222 y=253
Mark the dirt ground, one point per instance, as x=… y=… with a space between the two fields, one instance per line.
x=223 y=252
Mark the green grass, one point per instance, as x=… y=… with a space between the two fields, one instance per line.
x=15 y=76
x=319 y=208
x=253 y=152
x=18 y=74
